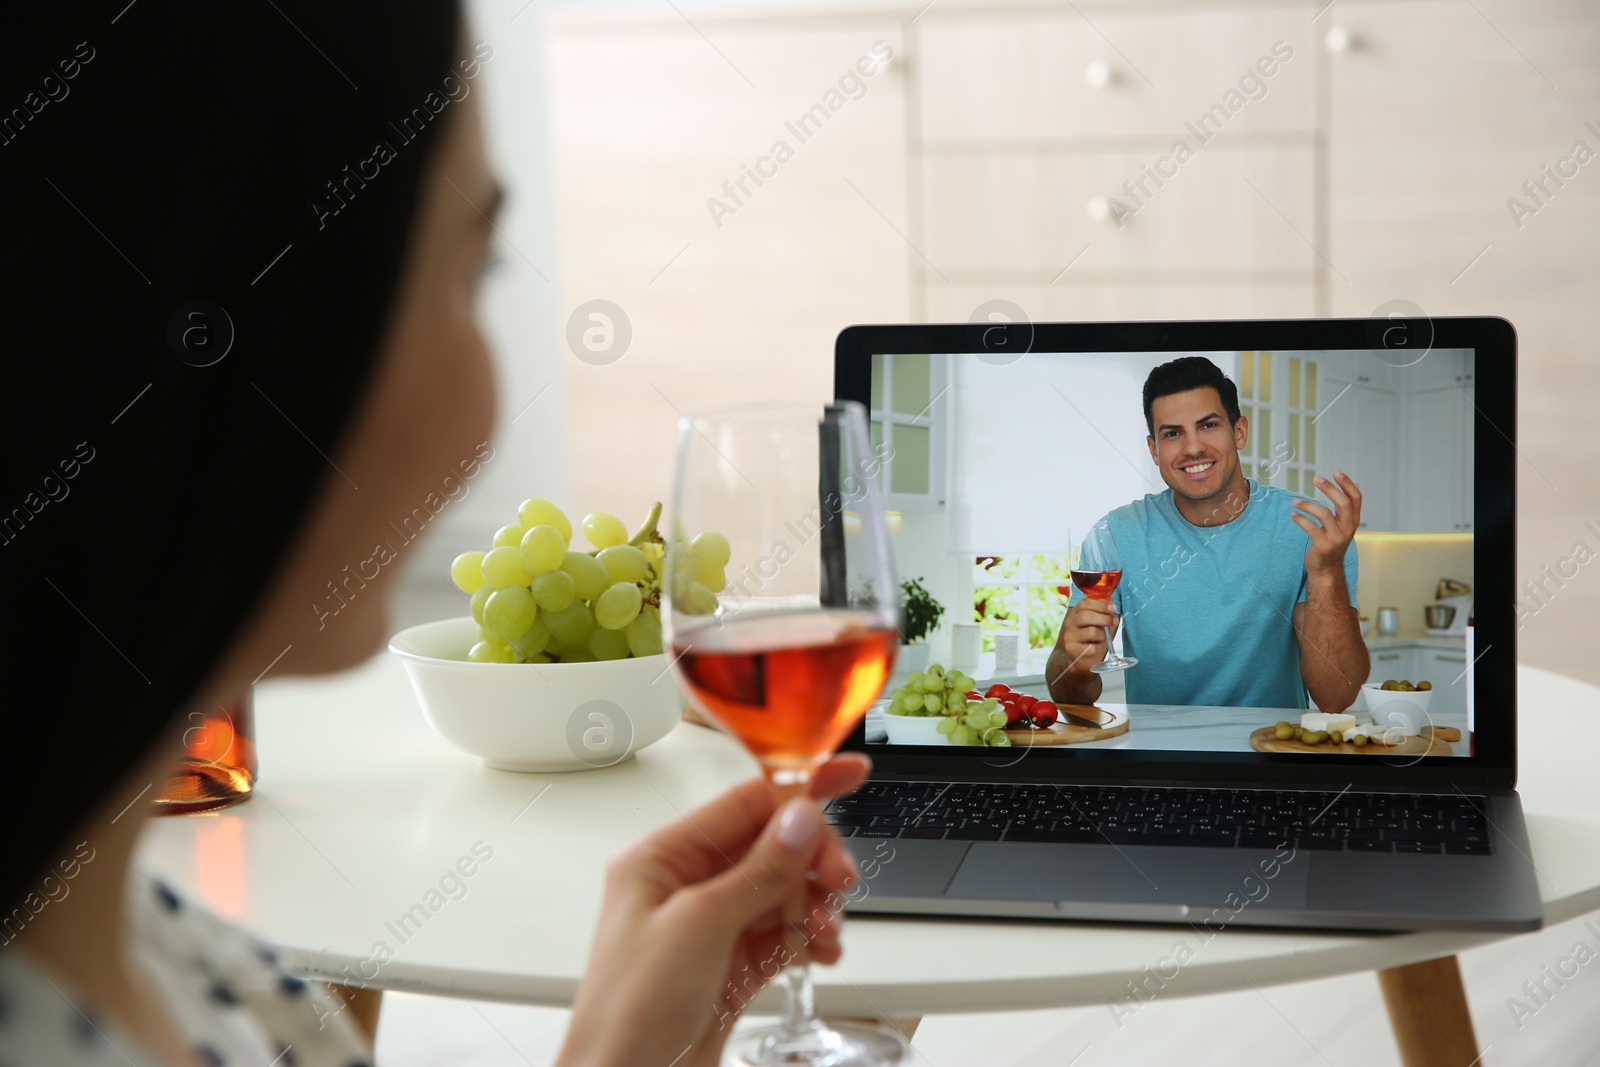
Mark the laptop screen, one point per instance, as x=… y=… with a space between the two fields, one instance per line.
x=1280 y=543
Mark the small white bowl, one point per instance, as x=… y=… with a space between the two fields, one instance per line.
x=536 y=717
x=914 y=729
x=1406 y=711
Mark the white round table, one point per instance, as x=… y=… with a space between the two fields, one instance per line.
x=375 y=855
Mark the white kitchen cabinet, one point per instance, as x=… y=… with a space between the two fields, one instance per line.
x=1446 y=670
x=1374 y=456
x=1401 y=663
x=736 y=262
x=1438 y=370
x=1364 y=175
x=1417 y=663
x=1437 y=459
x=1213 y=220
x=1113 y=301
x=1043 y=157
x=1369 y=369
x=1358 y=434
x=1438 y=85
x=1032 y=72
x=1403 y=433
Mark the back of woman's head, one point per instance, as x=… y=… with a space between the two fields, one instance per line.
x=201 y=256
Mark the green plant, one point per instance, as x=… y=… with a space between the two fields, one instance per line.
x=919 y=612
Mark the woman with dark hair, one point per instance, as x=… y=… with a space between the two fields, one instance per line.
x=242 y=253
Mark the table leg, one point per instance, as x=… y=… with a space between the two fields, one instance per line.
x=1428 y=1011
x=363 y=1006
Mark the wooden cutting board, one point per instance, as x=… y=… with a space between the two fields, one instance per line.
x=1066 y=733
x=1433 y=741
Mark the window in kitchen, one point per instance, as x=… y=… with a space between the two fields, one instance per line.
x=1278 y=394
x=1024 y=594
x=909 y=405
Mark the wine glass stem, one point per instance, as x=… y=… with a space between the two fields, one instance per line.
x=799 y=1008
x=1111 y=653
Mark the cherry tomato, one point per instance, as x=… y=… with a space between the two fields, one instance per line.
x=1025 y=701
x=998 y=689
x=1044 y=712
x=973 y=694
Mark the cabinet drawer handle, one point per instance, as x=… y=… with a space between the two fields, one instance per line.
x=1388 y=655
x=1099 y=209
x=1451 y=659
x=1339 y=39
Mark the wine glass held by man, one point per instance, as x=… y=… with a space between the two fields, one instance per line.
x=1096 y=576
x=356 y=379
x=1271 y=614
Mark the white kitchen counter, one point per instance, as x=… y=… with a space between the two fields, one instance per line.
x=1196 y=728
x=1415 y=639
x=1031 y=670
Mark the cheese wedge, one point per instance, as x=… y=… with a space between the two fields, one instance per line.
x=1327 y=721
x=1378 y=735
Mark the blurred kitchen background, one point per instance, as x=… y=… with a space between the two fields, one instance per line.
x=1378 y=168
x=1403 y=155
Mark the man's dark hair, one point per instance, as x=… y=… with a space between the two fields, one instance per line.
x=1182 y=375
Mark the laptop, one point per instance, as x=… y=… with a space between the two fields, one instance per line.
x=1191 y=786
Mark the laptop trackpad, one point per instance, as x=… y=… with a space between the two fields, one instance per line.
x=1130 y=874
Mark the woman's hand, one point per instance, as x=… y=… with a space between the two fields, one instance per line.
x=691 y=924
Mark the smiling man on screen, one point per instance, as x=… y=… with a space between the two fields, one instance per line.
x=1233 y=593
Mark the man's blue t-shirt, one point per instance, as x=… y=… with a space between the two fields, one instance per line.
x=1208 y=610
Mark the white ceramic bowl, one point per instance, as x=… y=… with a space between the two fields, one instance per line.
x=1408 y=711
x=536 y=717
x=914 y=729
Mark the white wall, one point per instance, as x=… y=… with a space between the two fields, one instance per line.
x=1045 y=446
x=519 y=308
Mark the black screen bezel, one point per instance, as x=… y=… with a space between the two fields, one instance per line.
x=1494 y=343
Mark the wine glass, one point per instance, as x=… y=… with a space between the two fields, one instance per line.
x=781 y=617
x=1098 y=571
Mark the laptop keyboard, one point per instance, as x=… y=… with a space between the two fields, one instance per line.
x=1138 y=815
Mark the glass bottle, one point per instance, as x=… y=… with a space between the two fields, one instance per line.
x=219 y=760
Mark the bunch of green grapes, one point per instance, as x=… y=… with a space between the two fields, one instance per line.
x=699 y=572
x=537 y=600
x=950 y=696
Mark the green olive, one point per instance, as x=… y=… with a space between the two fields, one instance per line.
x=1315 y=737
x=1423 y=687
x=1390 y=685
x=1360 y=741
x=1285 y=724
x=1284 y=731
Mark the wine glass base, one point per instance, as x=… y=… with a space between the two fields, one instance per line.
x=1107 y=666
x=837 y=1044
